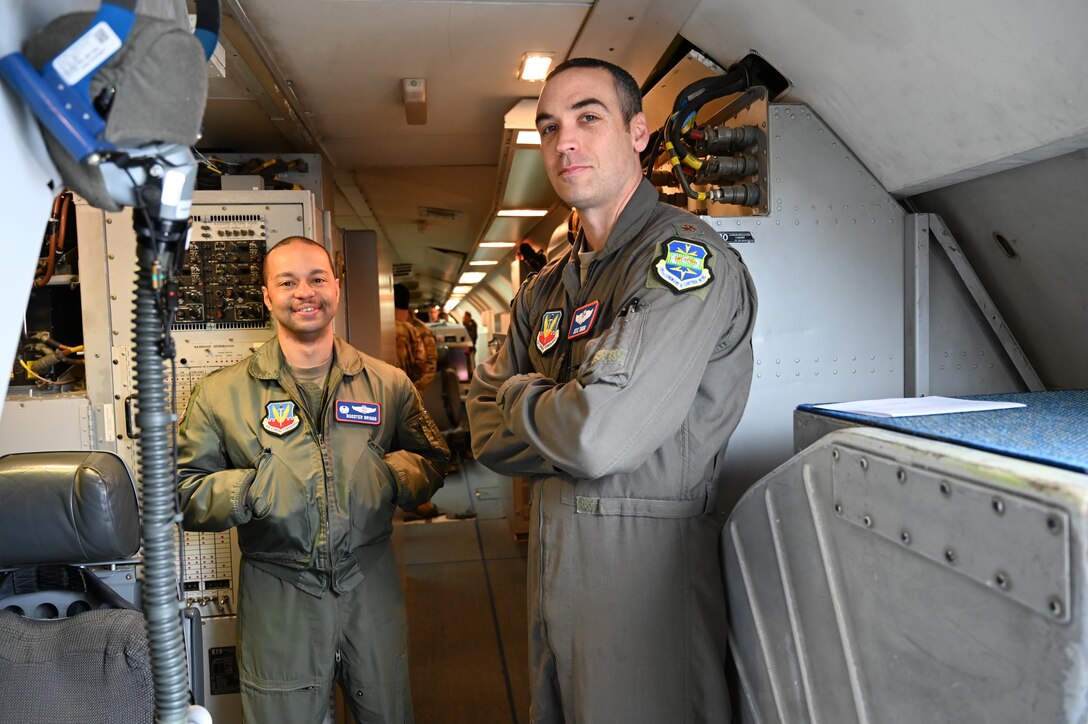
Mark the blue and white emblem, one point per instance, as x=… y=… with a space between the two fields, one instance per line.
x=683 y=267
x=361 y=413
x=280 y=418
x=582 y=319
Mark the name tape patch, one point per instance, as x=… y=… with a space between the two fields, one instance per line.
x=360 y=413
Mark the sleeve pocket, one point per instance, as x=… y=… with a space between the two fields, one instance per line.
x=611 y=357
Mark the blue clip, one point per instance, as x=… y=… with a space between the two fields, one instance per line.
x=60 y=96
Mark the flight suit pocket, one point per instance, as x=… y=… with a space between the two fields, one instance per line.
x=610 y=358
x=372 y=492
x=388 y=481
x=284 y=513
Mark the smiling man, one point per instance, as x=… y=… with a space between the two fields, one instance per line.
x=625 y=371
x=306 y=447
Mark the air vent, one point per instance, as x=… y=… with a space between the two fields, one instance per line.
x=432 y=212
x=402 y=270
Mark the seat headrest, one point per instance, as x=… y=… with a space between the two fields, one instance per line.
x=66 y=507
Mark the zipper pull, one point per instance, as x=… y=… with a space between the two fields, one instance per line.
x=338 y=654
x=631 y=306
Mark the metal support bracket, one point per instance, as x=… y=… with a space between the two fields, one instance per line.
x=985 y=303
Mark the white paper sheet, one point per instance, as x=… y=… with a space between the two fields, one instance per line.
x=912 y=406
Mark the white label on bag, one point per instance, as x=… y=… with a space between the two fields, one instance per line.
x=87 y=53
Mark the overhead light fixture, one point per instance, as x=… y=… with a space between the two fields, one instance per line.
x=535 y=66
x=414 y=91
x=523 y=212
x=471 y=277
x=498 y=244
x=482 y=263
x=527 y=138
x=465 y=289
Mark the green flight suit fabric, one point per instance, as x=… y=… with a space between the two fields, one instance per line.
x=618 y=395
x=312 y=496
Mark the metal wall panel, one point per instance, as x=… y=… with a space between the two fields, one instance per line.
x=828 y=267
x=46 y=422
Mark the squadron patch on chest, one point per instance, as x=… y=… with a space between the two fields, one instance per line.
x=682 y=265
x=361 y=413
x=582 y=319
x=280 y=417
x=549 y=330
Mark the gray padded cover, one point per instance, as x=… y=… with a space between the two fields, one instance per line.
x=93 y=668
x=66 y=507
x=161 y=84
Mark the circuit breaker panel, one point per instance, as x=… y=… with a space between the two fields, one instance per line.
x=221 y=319
x=220 y=279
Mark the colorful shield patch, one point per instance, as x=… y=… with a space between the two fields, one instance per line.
x=361 y=413
x=683 y=265
x=549 y=330
x=280 y=418
x=582 y=319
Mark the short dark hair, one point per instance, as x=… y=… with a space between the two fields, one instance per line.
x=288 y=242
x=401 y=296
x=626 y=88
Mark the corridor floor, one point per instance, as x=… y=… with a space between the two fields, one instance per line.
x=464 y=582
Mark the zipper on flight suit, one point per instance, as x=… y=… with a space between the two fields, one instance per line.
x=564 y=371
x=319 y=435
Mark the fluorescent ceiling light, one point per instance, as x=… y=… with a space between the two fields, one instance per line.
x=534 y=66
x=498 y=244
x=463 y=289
x=471 y=277
x=528 y=138
x=523 y=212
x=482 y=263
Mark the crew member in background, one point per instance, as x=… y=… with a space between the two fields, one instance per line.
x=409 y=346
x=417 y=355
x=307 y=446
x=626 y=369
x=470 y=326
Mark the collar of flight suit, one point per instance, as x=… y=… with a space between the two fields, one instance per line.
x=268 y=361
x=629 y=224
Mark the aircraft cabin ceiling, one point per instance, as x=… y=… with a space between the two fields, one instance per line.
x=926 y=93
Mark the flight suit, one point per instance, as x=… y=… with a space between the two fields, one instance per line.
x=618 y=396
x=313 y=499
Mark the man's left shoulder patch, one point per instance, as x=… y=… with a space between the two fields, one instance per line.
x=682 y=265
x=361 y=413
x=280 y=417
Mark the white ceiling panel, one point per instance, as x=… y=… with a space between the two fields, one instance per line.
x=927 y=94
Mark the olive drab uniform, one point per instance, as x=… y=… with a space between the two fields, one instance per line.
x=312 y=492
x=429 y=347
x=617 y=389
x=409 y=352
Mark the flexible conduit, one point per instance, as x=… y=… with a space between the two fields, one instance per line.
x=156 y=474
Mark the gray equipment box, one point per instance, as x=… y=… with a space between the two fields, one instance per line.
x=888 y=576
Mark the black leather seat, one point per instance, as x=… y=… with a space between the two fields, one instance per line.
x=71 y=648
